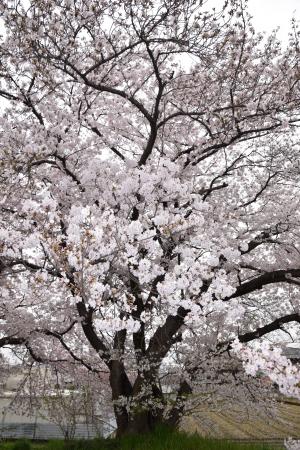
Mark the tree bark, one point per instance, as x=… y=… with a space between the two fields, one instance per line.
x=121 y=392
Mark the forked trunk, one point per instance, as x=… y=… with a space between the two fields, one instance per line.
x=138 y=418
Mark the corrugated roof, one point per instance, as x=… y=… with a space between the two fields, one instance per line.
x=232 y=424
x=291 y=352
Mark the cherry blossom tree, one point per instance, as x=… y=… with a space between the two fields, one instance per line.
x=149 y=197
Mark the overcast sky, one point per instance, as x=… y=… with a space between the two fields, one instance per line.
x=268 y=14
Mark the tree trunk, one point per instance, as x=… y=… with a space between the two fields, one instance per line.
x=138 y=415
x=121 y=390
x=143 y=419
x=142 y=422
x=121 y=416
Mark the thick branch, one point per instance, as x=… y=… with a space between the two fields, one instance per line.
x=9 y=262
x=103 y=88
x=265 y=237
x=272 y=326
x=11 y=340
x=90 y=333
x=165 y=336
x=277 y=276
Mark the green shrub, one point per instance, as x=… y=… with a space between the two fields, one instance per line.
x=74 y=445
x=55 y=444
x=103 y=444
x=21 y=444
x=92 y=444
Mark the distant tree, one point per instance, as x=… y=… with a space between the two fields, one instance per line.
x=149 y=196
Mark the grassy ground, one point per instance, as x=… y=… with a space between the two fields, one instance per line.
x=162 y=439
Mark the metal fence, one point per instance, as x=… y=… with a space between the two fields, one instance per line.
x=42 y=431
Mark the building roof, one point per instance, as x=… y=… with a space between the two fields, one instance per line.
x=234 y=424
x=291 y=352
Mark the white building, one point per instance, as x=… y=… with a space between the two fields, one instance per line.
x=38 y=423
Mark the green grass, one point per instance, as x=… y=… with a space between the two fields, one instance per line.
x=161 y=439
x=21 y=444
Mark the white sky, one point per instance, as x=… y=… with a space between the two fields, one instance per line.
x=269 y=14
